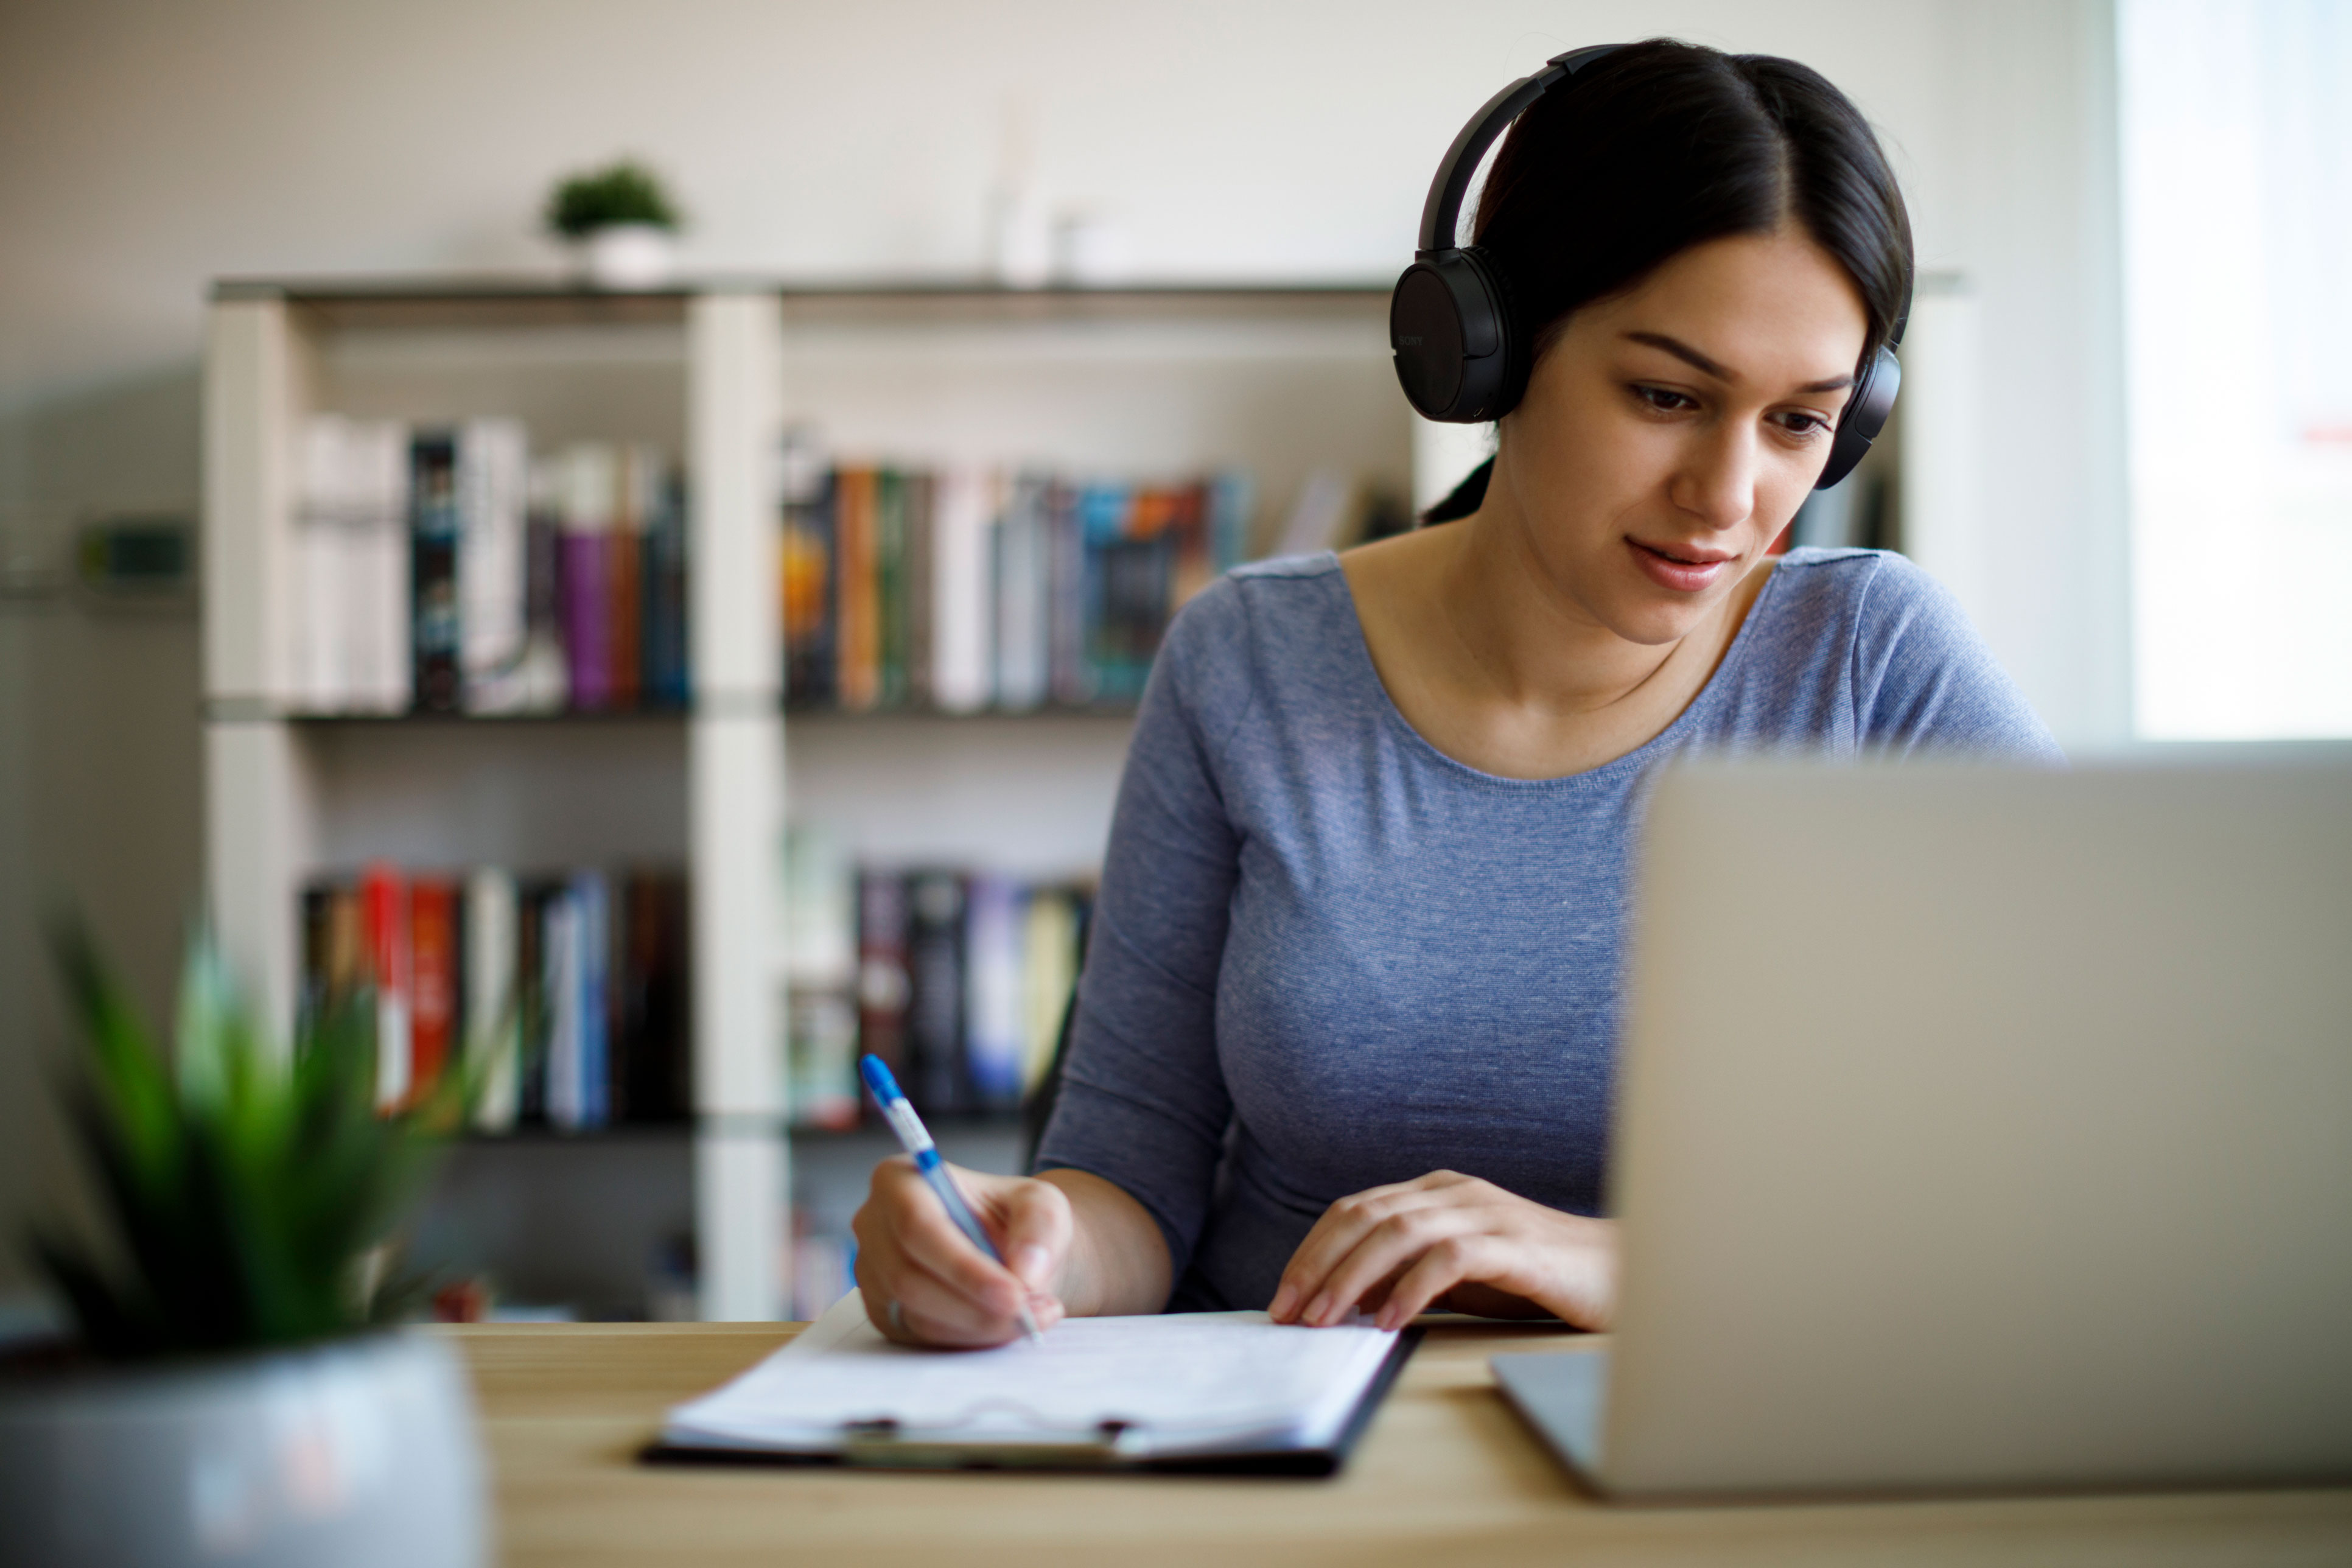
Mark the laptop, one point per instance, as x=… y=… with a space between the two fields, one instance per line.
x=1979 y=1129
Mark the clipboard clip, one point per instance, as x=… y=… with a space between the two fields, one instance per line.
x=886 y=1445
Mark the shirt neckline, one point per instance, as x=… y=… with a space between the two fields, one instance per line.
x=1708 y=697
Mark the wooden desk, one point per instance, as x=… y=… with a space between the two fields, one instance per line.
x=1446 y=1474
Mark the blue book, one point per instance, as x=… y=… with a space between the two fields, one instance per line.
x=592 y=905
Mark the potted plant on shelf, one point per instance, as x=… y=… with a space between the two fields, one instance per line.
x=620 y=223
x=240 y=1390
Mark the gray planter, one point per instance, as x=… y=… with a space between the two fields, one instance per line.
x=356 y=1453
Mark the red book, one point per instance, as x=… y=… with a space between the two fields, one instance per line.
x=383 y=925
x=431 y=981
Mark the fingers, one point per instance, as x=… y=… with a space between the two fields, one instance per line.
x=1386 y=1252
x=1345 y=1225
x=1453 y=1261
x=1033 y=1227
x=947 y=1291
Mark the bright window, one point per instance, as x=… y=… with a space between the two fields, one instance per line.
x=2237 y=169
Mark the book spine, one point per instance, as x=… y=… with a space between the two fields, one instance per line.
x=592 y=901
x=561 y=946
x=624 y=555
x=433 y=564
x=963 y=600
x=858 y=672
x=919 y=572
x=376 y=576
x=1049 y=954
x=589 y=501
x=535 y=1011
x=493 y=490
x=935 y=976
x=808 y=566
x=1065 y=592
x=994 y=1037
x=546 y=678
x=890 y=584
x=383 y=912
x=432 y=982
x=1021 y=569
x=665 y=598
x=321 y=524
x=493 y=1010
x=652 y=1042
x=882 y=969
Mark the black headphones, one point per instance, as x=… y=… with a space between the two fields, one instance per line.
x=1461 y=357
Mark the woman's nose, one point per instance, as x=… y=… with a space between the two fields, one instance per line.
x=1717 y=480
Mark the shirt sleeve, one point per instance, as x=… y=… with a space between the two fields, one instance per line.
x=1143 y=1103
x=1924 y=681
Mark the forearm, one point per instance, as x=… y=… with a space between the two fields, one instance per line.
x=1117 y=1263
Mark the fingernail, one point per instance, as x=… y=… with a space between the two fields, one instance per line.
x=1031 y=1263
x=1282 y=1301
x=1317 y=1308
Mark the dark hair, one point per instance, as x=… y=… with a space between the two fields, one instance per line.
x=1665 y=145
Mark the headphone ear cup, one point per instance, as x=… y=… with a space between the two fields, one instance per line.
x=1457 y=355
x=1865 y=416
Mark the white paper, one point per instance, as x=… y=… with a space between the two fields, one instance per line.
x=1182 y=1383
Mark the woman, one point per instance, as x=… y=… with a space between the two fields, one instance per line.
x=1345 y=1037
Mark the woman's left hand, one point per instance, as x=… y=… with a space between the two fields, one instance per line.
x=1404 y=1248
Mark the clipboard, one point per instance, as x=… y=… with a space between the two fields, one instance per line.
x=1109 y=1447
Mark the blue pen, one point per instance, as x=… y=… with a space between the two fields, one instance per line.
x=916 y=1140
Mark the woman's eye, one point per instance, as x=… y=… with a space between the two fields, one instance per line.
x=1803 y=425
x=1664 y=399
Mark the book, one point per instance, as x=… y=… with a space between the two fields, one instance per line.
x=918 y=580
x=1022 y=572
x=654 y=1039
x=493 y=1009
x=433 y=981
x=384 y=924
x=890 y=586
x=1200 y=1390
x=592 y=905
x=493 y=481
x=546 y=674
x=857 y=669
x=821 y=933
x=810 y=581
x=563 y=965
x=882 y=969
x=667 y=680
x=589 y=498
x=434 y=530
x=636 y=492
x=1049 y=956
x=962 y=606
x=995 y=1021
x=937 y=1077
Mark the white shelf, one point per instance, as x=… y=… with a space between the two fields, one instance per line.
x=1281 y=381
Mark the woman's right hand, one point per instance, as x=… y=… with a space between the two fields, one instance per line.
x=923 y=1280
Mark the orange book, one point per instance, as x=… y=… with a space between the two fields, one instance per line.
x=858 y=675
x=431 y=981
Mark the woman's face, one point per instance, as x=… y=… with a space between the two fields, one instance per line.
x=1670 y=433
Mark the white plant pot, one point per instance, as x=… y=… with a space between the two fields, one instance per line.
x=627 y=256
x=358 y=1453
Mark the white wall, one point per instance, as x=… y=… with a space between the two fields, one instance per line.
x=149 y=145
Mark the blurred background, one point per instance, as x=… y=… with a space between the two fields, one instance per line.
x=2124 y=442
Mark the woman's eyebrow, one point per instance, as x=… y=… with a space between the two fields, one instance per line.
x=1706 y=366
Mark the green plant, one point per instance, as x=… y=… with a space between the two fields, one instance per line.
x=248 y=1193
x=623 y=192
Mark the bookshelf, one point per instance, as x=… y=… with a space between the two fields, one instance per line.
x=1284 y=381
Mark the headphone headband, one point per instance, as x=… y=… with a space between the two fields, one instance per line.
x=1442 y=213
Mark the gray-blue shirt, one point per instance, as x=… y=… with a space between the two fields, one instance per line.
x=1328 y=957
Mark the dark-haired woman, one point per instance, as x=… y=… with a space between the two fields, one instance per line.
x=1346 y=1032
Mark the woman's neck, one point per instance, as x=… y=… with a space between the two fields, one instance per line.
x=1501 y=666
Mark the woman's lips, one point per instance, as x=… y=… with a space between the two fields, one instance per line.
x=1684 y=572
